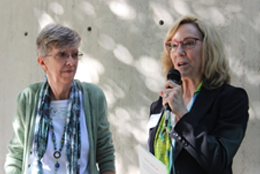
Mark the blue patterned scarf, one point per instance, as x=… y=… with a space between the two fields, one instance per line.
x=72 y=128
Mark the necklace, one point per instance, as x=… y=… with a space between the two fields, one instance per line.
x=57 y=153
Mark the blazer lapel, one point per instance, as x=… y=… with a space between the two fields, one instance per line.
x=201 y=105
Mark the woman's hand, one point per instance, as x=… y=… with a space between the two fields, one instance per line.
x=172 y=95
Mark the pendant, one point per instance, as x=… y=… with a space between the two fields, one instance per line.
x=57 y=165
x=56 y=154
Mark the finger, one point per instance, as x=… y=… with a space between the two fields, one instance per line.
x=169 y=84
x=165 y=93
x=167 y=99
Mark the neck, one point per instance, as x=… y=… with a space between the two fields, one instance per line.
x=189 y=87
x=59 y=92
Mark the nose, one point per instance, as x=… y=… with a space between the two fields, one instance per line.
x=180 y=50
x=70 y=61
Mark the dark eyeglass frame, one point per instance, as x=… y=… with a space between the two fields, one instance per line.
x=63 y=56
x=182 y=45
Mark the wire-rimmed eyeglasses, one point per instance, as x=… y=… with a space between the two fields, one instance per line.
x=62 y=56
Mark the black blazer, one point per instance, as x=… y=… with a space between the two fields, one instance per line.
x=208 y=137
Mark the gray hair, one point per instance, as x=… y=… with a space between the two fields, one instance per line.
x=58 y=36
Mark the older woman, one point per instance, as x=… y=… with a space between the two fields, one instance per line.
x=60 y=125
x=208 y=116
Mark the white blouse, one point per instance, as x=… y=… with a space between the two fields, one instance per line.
x=58 y=111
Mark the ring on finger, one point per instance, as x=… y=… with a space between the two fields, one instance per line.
x=166 y=95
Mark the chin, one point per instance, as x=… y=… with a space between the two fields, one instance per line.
x=185 y=75
x=68 y=81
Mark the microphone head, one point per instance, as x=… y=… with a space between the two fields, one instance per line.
x=174 y=75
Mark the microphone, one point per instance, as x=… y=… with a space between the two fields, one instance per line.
x=175 y=76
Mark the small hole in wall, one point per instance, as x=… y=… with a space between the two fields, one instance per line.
x=25 y=33
x=89 y=28
x=161 y=22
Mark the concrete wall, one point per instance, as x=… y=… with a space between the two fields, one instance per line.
x=122 y=42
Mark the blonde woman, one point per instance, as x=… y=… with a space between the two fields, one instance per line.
x=208 y=116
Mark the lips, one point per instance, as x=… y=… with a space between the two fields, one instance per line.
x=181 y=64
x=68 y=71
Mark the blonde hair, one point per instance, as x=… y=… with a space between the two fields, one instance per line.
x=54 y=35
x=215 y=66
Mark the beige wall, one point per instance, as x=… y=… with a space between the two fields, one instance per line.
x=121 y=55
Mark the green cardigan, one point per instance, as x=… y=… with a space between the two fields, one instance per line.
x=95 y=109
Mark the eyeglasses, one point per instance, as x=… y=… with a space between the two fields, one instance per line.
x=187 y=43
x=62 y=56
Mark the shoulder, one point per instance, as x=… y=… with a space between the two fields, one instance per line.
x=90 y=89
x=31 y=90
x=156 y=106
x=226 y=95
x=88 y=86
x=226 y=90
x=233 y=91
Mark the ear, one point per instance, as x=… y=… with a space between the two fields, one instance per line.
x=42 y=62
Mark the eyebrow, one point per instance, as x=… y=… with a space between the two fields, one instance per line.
x=64 y=51
x=189 y=37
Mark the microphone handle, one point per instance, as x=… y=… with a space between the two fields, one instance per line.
x=167 y=107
